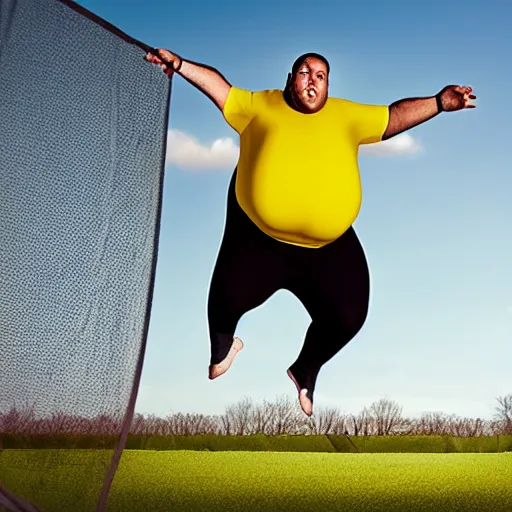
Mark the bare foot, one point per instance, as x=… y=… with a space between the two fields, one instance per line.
x=216 y=370
x=304 y=401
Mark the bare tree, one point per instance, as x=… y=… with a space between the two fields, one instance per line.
x=386 y=415
x=360 y=424
x=139 y=424
x=59 y=423
x=494 y=428
x=188 y=424
x=504 y=413
x=18 y=421
x=279 y=417
x=407 y=427
x=285 y=417
x=226 y=427
x=104 y=424
x=465 y=427
x=237 y=417
x=328 y=421
x=261 y=420
x=431 y=423
x=282 y=416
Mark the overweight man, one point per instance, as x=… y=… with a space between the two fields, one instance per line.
x=292 y=200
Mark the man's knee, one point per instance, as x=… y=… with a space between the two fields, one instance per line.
x=355 y=321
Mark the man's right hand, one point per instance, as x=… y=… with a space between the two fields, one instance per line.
x=205 y=78
x=167 y=60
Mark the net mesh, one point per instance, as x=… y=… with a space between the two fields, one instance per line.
x=83 y=122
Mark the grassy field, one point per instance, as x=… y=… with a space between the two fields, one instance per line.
x=273 y=482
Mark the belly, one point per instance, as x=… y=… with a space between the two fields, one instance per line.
x=305 y=208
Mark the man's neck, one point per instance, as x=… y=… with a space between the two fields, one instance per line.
x=292 y=103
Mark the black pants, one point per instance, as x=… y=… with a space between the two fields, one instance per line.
x=332 y=283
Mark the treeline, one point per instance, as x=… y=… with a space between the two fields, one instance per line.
x=280 y=417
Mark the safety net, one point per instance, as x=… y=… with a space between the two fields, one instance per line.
x=83 y=124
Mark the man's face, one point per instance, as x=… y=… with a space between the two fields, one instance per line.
x=309 y=87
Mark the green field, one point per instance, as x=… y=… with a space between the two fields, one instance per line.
x=257 y=481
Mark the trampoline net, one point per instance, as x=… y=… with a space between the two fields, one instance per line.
x=83 y=123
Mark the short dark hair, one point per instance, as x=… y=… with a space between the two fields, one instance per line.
x=297 y=64
x=302 y=58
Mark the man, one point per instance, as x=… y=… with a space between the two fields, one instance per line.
x=292 y=201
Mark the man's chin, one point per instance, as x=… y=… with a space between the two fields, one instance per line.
x=308 y=105
x=312 y=106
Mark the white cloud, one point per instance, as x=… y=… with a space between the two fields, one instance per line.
x=403 y=144
x=186 y=152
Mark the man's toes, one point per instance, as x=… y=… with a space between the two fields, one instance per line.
x=214 y=371
x=305 y=402
x=237 y=344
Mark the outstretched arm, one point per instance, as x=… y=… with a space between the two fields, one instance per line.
x=205 y=78
x=408 y=113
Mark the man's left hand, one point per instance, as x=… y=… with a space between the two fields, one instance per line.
x=456 y=97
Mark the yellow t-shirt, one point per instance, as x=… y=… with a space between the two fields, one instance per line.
x=298 y=176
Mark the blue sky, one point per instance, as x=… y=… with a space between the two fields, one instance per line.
x=435 y=220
